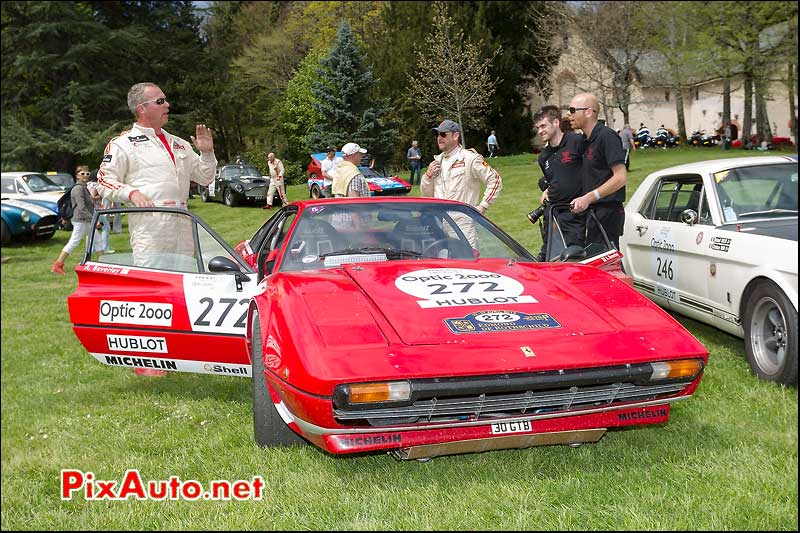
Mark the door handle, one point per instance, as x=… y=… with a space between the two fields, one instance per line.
x=641 y=229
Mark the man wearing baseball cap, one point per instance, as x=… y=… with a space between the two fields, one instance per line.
x=328 y=167
x=348 y=180
x=457 y=174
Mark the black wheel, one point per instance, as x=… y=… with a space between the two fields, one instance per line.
x=5 y=234
x=315 y=192
x=269 y=429
x=770 y=334
x=456 y=249
x=230 y=198
x=204 y=194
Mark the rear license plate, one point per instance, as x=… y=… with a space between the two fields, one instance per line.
x=502 y=428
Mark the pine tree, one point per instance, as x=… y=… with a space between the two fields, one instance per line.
x=344 y=99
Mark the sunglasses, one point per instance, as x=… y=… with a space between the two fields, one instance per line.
x=573 y=110
x=84 y=173
x=443 y=133
x=158 y=101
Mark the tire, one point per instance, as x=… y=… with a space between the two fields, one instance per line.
x=229 y=198
x=770 y=334
x=315 y=192
x=269 y=429
x=5 y=234
x=204 y=194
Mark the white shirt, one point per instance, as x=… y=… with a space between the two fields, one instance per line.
x=329 y=167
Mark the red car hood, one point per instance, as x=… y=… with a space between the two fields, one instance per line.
x=416 y=319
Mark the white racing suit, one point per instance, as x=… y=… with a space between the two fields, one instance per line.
x=460 y=178
x=138 y=160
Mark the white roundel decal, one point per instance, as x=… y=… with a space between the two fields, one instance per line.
x=448 y=287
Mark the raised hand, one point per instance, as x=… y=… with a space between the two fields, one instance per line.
x=202 y=139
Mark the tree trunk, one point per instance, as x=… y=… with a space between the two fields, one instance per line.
x=762 y=118
x=726 y=102
x=747 y=119
x=679 y=111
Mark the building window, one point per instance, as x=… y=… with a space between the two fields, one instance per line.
x=666 y=96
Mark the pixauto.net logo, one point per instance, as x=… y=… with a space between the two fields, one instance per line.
x=132 y=486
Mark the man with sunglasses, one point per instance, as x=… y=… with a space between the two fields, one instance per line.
x=603 y=171
x=148 y=167
x=457 y=174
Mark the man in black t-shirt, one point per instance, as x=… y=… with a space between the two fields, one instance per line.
x=560 y=162
x=604 y=173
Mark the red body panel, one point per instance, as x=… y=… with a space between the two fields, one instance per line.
x=394 y=338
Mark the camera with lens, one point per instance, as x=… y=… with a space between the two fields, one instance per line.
x=536 y=214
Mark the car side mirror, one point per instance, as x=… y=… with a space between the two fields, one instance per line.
x=222 y=264
x=572 y=252
x=689 y=216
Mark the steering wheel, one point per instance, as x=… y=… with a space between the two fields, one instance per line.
x=456 y=249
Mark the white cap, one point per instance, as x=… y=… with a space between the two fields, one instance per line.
x=352 y=148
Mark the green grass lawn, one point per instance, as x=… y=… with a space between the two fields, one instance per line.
x=726 y=460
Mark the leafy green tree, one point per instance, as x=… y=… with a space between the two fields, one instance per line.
x=345 y=101
x=67 y=68
x=297 y=114
x=453 y=79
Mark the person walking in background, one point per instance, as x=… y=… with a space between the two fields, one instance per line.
x=83 y=211
x=147 y=166
x=628 y=144
x=603 y=171
x=560 y=162
x=491 y=144
x=414 y=157
x=328 y=168
x=100 y=242
x=348 y=180
x=457 y=174
x=727 y=136
x=275 y=180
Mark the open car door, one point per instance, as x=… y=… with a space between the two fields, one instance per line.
x=181 y=309
x=599 y=254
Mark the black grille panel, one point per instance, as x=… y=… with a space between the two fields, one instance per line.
x=498 y=405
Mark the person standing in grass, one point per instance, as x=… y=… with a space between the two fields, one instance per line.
x=604 y=172
x=147 y=166
x=83 y=211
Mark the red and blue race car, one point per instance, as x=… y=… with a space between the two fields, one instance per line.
x=379 y=183
x=413 y=326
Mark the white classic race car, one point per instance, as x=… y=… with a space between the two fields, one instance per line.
x=717 y=241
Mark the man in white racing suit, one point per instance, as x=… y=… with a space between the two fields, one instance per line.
x=457 y=174
x=146 y=166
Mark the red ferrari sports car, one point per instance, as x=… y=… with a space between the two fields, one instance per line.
x=409 y=325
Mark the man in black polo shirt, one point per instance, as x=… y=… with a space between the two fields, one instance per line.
x=560 y=162
x=604 y=173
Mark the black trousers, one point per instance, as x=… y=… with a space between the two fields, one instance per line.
x=573 y=227
x=612 y=217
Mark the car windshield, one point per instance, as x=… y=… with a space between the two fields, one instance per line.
x=364 y=231
x=39 y=183
x=757 y=191
x=235 y=172
x=369 y=173
x=61 y=178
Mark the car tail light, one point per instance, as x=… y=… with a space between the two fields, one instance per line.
x=392 y=391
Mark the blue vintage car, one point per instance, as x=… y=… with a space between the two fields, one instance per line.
x=27 y=220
